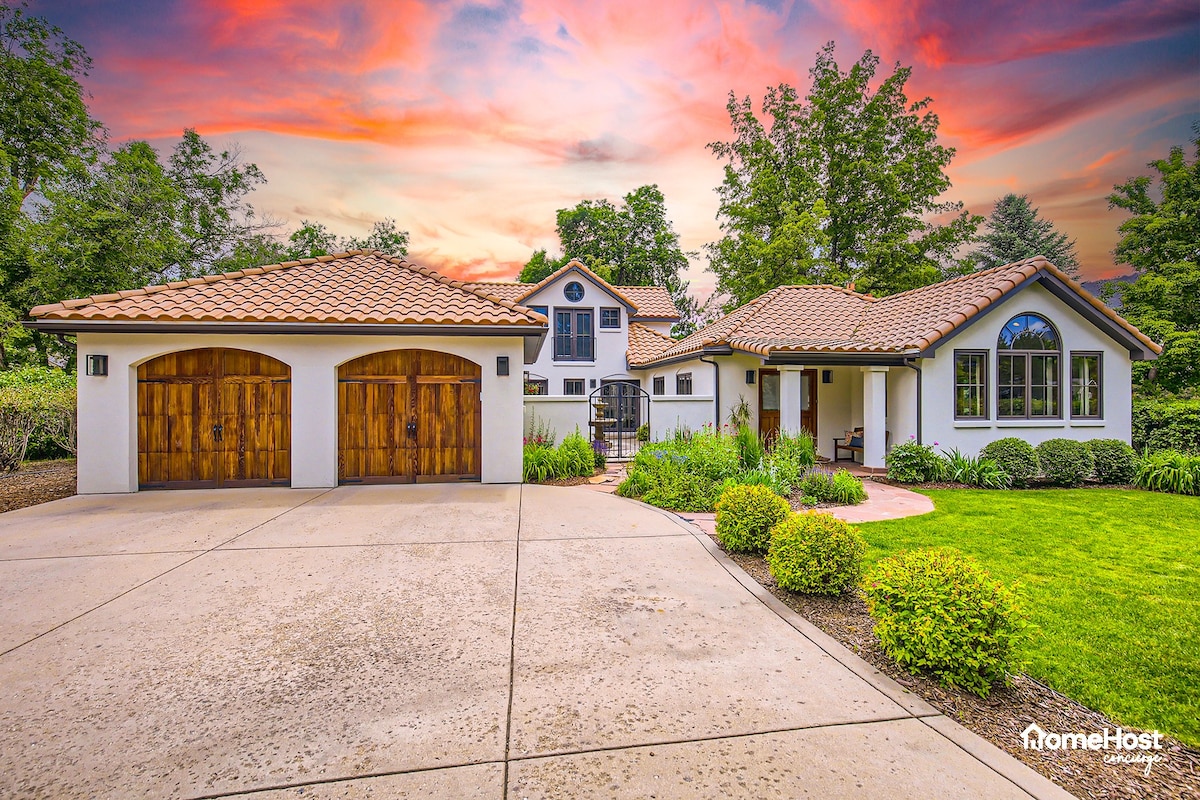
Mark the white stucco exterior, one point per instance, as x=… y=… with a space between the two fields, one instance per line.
x=108 y=405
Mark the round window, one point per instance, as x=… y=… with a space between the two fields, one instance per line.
x=574 y=291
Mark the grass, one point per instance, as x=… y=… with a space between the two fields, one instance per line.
x=1111 y=578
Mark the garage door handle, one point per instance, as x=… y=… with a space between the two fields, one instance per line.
x=218 y=433
x=412 y=429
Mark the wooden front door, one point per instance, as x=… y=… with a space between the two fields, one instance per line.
x=768 y=403
x=408 y=415
x=214 y=417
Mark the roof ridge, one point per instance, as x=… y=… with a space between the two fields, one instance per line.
x=960 y=278
x=576 y=264
x=428 y=272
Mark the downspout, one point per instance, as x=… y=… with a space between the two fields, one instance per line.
x=716 y=393
x=911 y=364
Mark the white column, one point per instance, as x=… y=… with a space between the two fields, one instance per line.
x=874 y=416
x=314 y=423
x=791 y=388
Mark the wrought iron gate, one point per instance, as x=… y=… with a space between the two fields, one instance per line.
x=620 y=418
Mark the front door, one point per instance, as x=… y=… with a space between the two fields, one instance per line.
x=768 y=403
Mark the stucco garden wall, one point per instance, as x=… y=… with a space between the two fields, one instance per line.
x=108 y=405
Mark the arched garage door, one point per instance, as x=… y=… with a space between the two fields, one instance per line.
x=408 y=416
x=214 y=417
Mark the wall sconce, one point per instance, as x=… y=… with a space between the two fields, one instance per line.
x=97 y=365
x=592 y=385
x=750 y=379
x=827 y=377
x=501 y=365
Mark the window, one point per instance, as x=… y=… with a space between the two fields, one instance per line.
x=610 y=318
x=1027 y=369
x=573 y=291
x=683 y=383
x=573 y=335
x=970 y=384
x=543 y=310
x=1085 y=385
x=660 y=385
x=572 y=386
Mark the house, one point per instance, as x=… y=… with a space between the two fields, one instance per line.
x=1018 y=350
x=353 y=368
x=361 y=368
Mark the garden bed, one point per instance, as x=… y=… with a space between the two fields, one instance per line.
x=1006 y=712
x=37 y=482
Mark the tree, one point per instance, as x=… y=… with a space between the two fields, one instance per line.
x=383 y=237
x=539 y=267
x=45 y=126
x=1016 y=231
x=313 y=239
x=1161 y=241
x=840 y=187
x=310 y=240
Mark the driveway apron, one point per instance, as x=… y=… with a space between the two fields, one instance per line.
x=453 y=641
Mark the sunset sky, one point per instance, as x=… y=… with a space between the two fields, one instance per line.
x=471 y=123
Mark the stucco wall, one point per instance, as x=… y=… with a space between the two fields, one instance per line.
x=108 y=405
x=1076 y=333
x=560 y=414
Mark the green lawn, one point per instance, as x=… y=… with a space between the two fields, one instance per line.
x=1112 y=579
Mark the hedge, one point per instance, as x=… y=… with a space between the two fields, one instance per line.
x=37 y=408
x=1166 y=425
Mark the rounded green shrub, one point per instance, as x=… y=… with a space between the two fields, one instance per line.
x=1065 y=462
x=815 y=554
x=915 y=463
x=745 y=516
x=1115 y=461
x=939 y=612
x=1016 y=457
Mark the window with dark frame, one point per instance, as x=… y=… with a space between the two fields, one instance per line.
x=573 y=291
x=573 y=335
x=660 y=385
x=970 y=384
x=610 y=318
x=572 y=386
x=543 y=310
x=1086 y=375
x=1028 y=366
x=683 y=383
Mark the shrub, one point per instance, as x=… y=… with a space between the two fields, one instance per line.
x=576 y=458
x=37 y=415
x=982 y=472
x=1167 y=425
x=765 y=476
x=643 y=432
x=1169 y=471
x=538 y=463
x=1016 y=457
x=745 y=516
x=938 y=611
x=1115 y=461
x=636 y=484
x=1065 y=462
x=789 y=456
x=749 y=448
x=815 y=554
x=847 y=489
x=915 y=463
x=538 y=431
x=678 y=489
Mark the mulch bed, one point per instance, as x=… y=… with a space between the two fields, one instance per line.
x=1002 y=716
x=37 y=482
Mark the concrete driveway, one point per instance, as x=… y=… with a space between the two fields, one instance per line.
x=432 y=641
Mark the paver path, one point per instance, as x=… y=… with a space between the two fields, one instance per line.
x=432 y=641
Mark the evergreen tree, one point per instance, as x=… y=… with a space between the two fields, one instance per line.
x=1016 y=231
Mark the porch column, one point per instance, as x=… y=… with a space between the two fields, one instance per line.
x=791 y=388
x=874 y=416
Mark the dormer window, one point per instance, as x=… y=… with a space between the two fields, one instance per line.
x=573 y=291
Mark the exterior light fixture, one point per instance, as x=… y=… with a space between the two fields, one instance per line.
x=749 y=376
x=501 y=365
x=97 y=365
x=827 y=377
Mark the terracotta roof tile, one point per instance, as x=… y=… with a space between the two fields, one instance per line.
x=645 y=344
x=355 y=287
x=833 y=319
x=649 y=302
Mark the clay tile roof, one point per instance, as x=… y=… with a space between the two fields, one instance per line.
x=834 y=319
x=645 y=344
x=360 y=286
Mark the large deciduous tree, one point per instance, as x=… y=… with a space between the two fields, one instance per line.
x=1016 y=231
x=1161 y=241
x=844 y=185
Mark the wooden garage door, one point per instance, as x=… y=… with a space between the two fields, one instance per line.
x=214 y=417
x=407 y=416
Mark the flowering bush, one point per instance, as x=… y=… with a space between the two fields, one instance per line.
x=915 y=463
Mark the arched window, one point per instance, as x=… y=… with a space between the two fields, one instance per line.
x=1028 y=364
